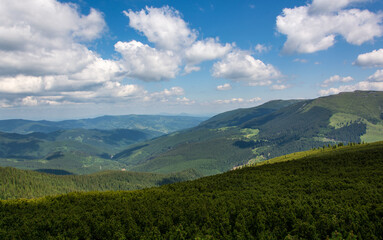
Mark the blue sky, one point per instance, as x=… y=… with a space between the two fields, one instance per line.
x=82 y=58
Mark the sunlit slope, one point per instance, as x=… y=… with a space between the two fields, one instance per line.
x=334 y=194
x=273 y=129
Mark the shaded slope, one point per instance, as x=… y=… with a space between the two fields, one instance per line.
x=338 y=195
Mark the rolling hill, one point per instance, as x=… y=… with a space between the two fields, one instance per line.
x=260 y=133
x=331 y=194
x=76 y=150
x=157 y=123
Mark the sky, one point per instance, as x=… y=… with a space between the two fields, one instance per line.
x=70 y=59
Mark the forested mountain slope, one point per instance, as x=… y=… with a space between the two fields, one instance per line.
x=16 y=183
x=334 y=195
x=263 y=132
x=75 y=150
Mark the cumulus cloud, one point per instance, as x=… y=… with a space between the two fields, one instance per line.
x=371 y=59
x=162 y=26
x=373 y=82
x=377 y=76
x=240 y=66
x=43 y=39
x=313 y=27
x=224 y=87
x=204 y=50
x=146 y=63
x=336 y=78
x=44 y=53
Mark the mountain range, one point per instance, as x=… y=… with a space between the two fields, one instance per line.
x=227 y=140
x=158 y=123
x=260 y=133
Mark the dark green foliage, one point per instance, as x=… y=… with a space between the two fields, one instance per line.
x=241 y=116
x=16 y=183
x=54 y=171
x=336 y=195
x=350 y=133
x=244 y=144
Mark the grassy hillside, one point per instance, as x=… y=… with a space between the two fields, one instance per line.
x=16 y=183
x=163 y=124
x=334 y=195
x=256 y=134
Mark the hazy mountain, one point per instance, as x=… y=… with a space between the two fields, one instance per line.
x=164 y=124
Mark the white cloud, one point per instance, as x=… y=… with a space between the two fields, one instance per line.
x=162 y=26
x=165 y=95
x=43 y=39
x=371 y=59
x=238 y=100
x=364 y=85
x=377 y=76
x=240 y=66
x=44 y=55
x=309 y=30
x=260 y=48
x=224 y=87
x=208 y=49
x=279 y=87
x=185 y=101
x=374 y=82
x=301 y=60
x=336 y=78
x=146 y=63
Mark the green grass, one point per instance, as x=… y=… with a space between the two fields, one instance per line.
x=374 y=133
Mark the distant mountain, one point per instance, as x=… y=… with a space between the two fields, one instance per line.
x=75 y=150
x=260 y=133
x=164 y=124
x=327 y=194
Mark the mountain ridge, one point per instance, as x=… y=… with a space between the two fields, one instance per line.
x=263 y=132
